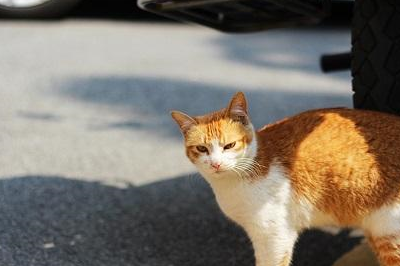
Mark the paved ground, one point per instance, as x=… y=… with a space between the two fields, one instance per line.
x=92 y=169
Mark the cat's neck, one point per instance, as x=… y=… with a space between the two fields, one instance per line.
x=269 y=150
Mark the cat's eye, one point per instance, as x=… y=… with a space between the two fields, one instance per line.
x=201 y=148
x=230 y=145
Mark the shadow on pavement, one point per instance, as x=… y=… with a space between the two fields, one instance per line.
x=281 y=50
x=148 y=101
x=57 y=221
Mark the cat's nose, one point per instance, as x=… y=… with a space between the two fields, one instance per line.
x=216 y=165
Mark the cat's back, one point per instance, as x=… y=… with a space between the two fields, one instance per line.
x=361 y=130
x=335 y=126
x=338 y=158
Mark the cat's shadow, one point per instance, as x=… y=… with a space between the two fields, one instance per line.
x=59 y=221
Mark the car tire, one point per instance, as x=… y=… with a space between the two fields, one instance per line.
x=48 y=9
x=375 y=55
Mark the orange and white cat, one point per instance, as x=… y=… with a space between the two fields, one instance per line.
x=328 y=167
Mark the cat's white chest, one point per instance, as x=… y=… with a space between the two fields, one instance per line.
x=254 y=202
x=238 y=203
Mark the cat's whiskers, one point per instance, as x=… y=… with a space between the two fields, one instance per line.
x=231 y=167
x=237 y=172
x=251 y=161
x=246 y=168
x=247 y=174
x=249 y=166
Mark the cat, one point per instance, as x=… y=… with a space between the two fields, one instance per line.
x=326 y=167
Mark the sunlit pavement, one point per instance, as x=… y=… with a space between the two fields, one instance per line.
x=92 y=168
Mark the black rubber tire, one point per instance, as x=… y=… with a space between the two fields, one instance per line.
x=376 y=55
x=50 y=9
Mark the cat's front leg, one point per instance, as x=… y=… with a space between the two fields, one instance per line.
x=273 y=246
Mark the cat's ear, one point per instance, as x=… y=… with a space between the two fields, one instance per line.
x=237 y=109
x=184 y=121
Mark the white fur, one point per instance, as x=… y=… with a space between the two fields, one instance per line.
x=266 y=208
x=304 y=215
x=251 y=150
x=383 y=222
x=262 y=209
x=269 y=211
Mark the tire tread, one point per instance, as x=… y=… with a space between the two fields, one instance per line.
x=376 y=55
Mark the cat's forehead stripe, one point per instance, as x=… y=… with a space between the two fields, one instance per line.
x=224 y=130
x=220 y=130
x=214 y=130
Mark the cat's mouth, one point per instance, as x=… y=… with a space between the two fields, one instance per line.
x=220 y=171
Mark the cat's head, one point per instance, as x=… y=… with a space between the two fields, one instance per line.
x=222 y=142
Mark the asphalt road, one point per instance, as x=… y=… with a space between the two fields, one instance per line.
x=92 y=169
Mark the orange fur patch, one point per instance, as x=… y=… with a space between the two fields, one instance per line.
x=387 y=249
x=346 y=162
